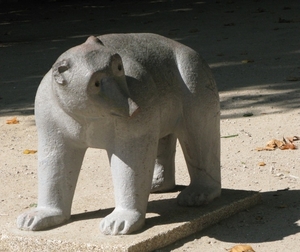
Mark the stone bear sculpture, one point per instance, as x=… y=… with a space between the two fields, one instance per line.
x=133 y=95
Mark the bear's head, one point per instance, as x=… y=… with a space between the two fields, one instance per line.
x=89 y=80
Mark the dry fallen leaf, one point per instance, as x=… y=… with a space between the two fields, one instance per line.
x=264 y=148
x=288 y=143
x=285 y=144
x=275 y=143
x=288 y=146
x=242 y=248
x=12 y=121
x=29 y=151
x=261 y=163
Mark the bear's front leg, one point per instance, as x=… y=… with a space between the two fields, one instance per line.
x=132 y=164
x=58 y=170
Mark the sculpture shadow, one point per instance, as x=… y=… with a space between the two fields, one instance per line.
x=276 y=218
x=101 y=213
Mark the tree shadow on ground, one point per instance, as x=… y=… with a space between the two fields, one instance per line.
x=34 y=34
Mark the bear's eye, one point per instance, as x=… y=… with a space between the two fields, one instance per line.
x=120 y=67
x=97 y=84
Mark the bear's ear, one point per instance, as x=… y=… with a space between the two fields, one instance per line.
x=57 y=69
x=93 y=40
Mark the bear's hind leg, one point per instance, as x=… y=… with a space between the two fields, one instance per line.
x=199 y=132
x=200 y=142
x=164 y=170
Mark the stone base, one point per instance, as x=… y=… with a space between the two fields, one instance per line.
x=166 y=223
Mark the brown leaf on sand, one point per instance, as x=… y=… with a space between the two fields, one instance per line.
x=264 y=149
x=275 y=143
x=29 y=151
x=242 y=248
x=286 y=144
x=12 y=121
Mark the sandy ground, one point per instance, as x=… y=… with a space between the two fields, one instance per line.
x=253 y=49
